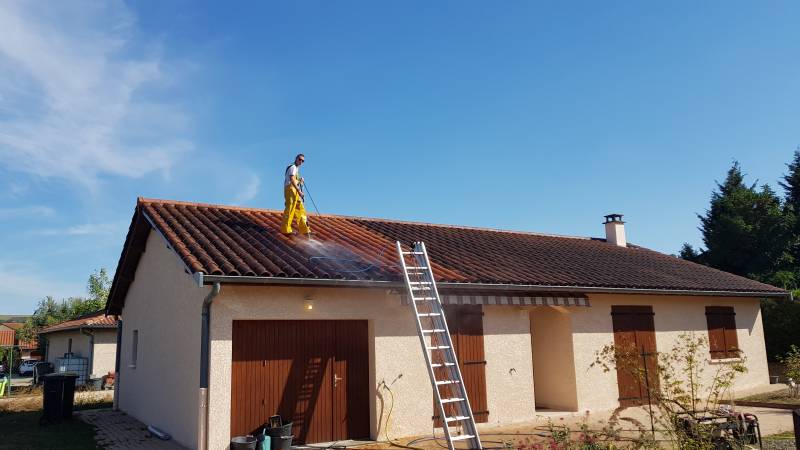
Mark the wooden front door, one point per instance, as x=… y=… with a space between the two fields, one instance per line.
x=466 y=331
x=635 y=342
x=312 y=372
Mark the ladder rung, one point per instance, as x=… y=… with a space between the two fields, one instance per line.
x=424 y=299
x=413 y=253
x=436 y=330
x=429 y=314
x=452 y=400
x=455 y=418
x=462 y=437
x=420 y=282
x=438 y=347
x=443 y=382
x=416 y=267
x=421 y=288
x=437 y=365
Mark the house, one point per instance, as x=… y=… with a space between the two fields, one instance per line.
x=92 y=336
x=27 y=349
x=252 y=323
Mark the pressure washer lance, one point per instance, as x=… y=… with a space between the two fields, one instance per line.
x=304 y=187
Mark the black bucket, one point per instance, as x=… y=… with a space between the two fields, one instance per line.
x=281 y=443
x=243 y=443
x=283 y=430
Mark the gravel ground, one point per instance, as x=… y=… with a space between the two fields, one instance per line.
x=782 y=444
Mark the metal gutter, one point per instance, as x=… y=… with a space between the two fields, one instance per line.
x=607 y=290
x=117 y=358
x=205 y=354
x=284 y=281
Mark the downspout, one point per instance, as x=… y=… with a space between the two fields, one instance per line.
x=202 y=438
x=117 y=358
x=89 y=333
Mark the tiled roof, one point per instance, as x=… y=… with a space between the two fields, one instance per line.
x=233 y=241
x=6 y=337
x=94 y=320
x=14 y=326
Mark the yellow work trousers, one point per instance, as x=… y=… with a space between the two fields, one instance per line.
x=294 y=209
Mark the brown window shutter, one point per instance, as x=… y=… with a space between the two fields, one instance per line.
x=731 y=340
x=722 y=339
x=466 y=330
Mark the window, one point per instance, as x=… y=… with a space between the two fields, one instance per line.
x=722 y=338
x=134 y=348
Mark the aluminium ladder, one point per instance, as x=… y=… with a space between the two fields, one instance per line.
x=437 y=346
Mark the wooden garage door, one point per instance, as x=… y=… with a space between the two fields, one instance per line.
x=635 y=337
x=314 y=372
x=466 y=331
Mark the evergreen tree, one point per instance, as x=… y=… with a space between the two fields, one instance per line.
x=791 y=183
x=745 y=230
x=689 y=253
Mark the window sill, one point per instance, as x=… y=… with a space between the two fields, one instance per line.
x=737 y=359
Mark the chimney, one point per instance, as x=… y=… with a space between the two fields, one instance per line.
x=615 y=230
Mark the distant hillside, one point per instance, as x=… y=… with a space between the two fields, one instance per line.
x=9 y=318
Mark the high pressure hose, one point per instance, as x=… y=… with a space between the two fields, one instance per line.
x=389 y=417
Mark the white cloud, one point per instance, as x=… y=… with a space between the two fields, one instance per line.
x=87 y=229
x=76 y=95
x=248 y=191
x=26 y=212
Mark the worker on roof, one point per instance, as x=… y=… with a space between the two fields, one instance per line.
x=293 y=196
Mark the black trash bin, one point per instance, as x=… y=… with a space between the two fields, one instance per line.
x=243 y=443
x=281 y=437
x=59 y=394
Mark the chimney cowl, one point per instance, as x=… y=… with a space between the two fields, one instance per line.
x=615 y=230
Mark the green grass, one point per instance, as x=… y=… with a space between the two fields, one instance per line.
x=786 y=435
x=21 y=430
x=783 y=397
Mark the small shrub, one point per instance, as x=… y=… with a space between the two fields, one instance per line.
x=791 y=360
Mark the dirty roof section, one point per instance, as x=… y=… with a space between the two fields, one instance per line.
x=89 y=321
x=233 y=241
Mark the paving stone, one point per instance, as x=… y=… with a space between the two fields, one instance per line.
x=117 y=430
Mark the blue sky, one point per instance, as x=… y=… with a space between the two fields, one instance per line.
x=540 y=116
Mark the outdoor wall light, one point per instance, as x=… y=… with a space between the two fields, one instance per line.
x=308 y=305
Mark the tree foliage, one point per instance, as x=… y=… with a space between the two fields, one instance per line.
x=753 y=232
x=50 y=311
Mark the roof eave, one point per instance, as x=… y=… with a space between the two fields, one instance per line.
x=78 y=327
x=283 y=281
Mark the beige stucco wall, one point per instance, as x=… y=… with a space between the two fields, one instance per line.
x=592 y=329
x=509 y=365
x=394 y=351
x=105 y=347
x=105 y=351
x=164 y=305
x=58 y=344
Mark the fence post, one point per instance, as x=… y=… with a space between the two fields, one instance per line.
x=796 y=420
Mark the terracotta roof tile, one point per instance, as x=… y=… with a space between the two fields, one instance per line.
x=234 y=241
x=94 y=320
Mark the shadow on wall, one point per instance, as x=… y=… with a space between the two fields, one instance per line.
x=670 y=315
